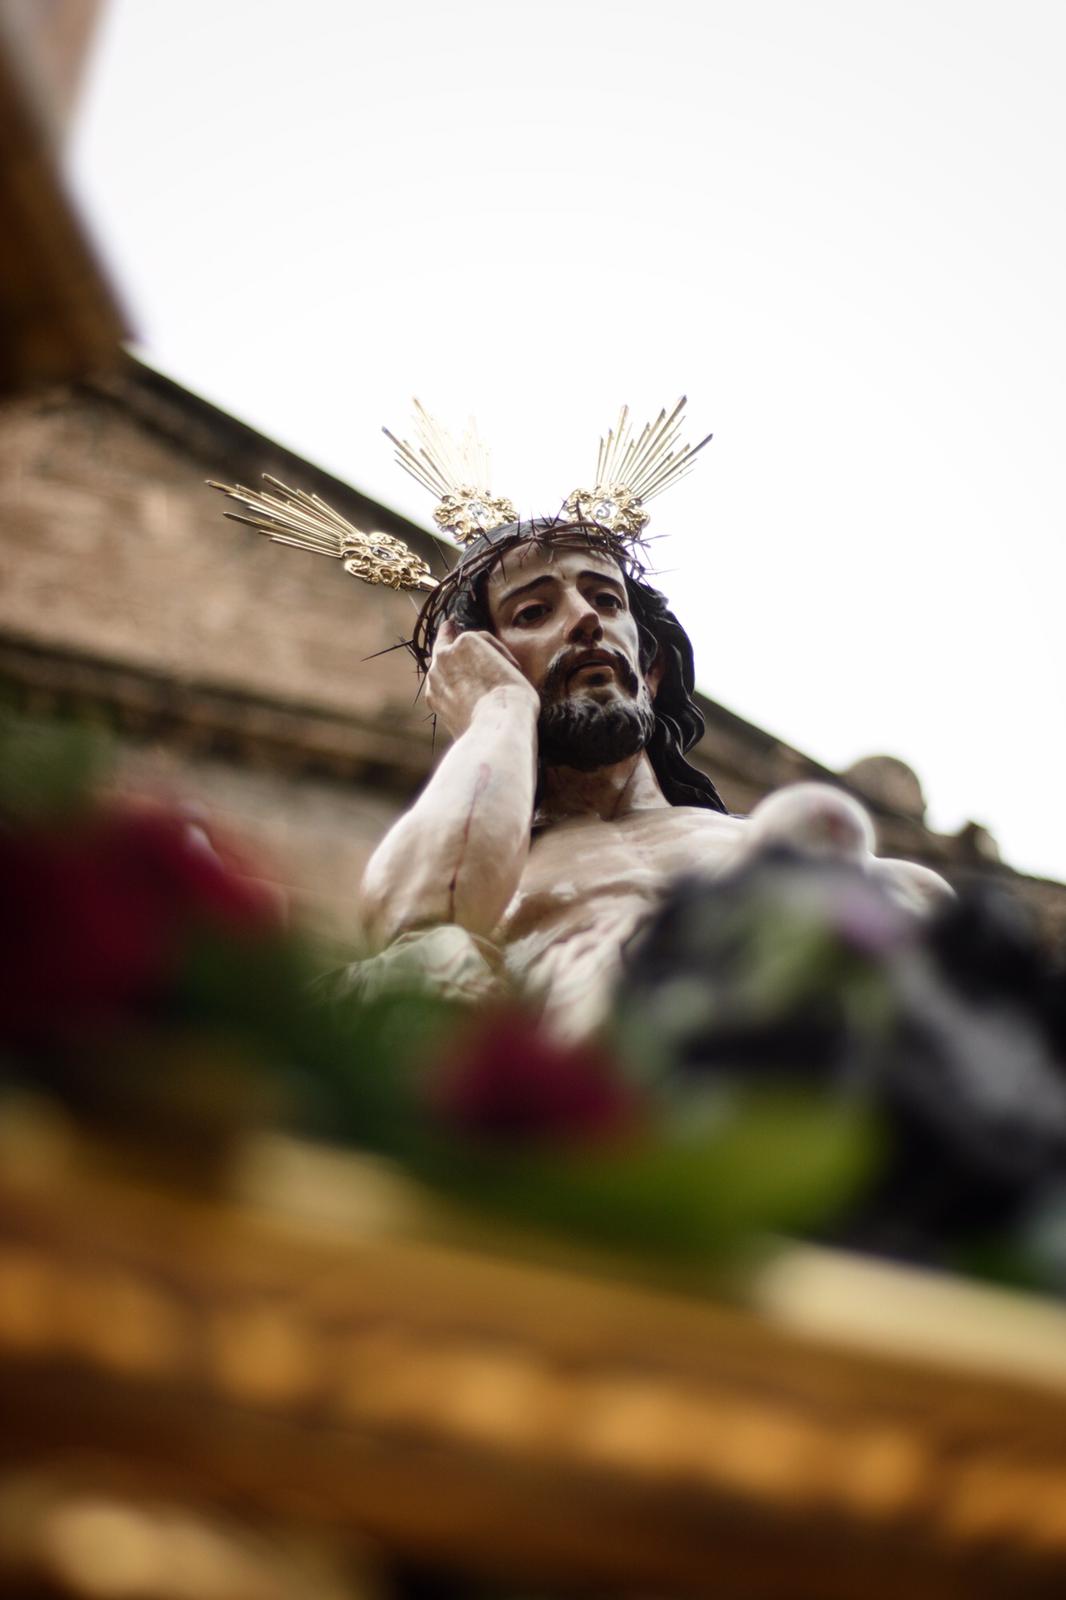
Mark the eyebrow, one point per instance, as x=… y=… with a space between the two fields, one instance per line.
x=550 y=577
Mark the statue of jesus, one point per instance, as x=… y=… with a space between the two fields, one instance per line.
x=565 y=807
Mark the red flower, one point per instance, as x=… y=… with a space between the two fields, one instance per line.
x=508 y=1080
x=94 y=917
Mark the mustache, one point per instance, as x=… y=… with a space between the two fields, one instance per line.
x=566 y=661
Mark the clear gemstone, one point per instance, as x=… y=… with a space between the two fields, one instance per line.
x=605 y=511
x=478 y=512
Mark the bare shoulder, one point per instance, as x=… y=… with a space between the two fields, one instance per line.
x=690 y=839
x=669 y=840
x=685 y=839
x=690 y=820
x=703 y=818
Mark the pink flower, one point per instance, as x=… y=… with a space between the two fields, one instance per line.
x=508 y=1080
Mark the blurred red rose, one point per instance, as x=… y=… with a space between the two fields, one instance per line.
x=508 y=1080
x=94 y=917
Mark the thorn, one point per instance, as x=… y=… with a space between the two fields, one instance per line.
x=401 y=644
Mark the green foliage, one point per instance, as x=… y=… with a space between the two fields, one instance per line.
x=48 y=770
x=370 y=1068
x=776 y=1162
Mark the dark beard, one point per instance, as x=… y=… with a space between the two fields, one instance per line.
x=584 y=733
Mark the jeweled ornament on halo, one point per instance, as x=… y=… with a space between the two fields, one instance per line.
x=468 y=512
x=611 y=506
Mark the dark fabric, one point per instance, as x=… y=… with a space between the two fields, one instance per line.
x=799 y=973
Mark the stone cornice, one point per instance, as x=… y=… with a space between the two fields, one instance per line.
x=206 y=718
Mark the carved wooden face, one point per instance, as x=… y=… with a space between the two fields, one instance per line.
x=564 y=614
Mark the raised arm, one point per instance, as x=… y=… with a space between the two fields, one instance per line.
x=457 y=856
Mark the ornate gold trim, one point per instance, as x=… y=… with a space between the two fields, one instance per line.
x=293 y=517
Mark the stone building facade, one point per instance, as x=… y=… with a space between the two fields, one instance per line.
x=246 y=680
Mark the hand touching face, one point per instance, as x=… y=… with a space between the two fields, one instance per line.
x=465 y=668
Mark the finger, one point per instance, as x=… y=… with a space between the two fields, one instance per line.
x=447 y=634
x=501 y=648
x=471 y=640
x=433 y=691
x=505 y=653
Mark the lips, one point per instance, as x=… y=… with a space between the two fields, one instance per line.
x=591 y=658
x=570 y=661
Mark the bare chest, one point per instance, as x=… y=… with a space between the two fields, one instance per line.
x=580 y=867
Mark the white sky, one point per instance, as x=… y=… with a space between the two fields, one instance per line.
x=838 y=225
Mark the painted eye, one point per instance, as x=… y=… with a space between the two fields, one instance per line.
x=529 y=615
x=611 y=601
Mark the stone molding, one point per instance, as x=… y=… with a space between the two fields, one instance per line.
x=208 y=719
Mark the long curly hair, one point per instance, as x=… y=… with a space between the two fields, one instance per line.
x=462 y=598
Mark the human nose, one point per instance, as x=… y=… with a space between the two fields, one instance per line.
x=583 y=625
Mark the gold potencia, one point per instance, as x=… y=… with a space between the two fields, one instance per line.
x=631 y=471
x=293 y=517
x=456 y=474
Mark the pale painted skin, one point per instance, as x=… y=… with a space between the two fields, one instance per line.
x=560 y=902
